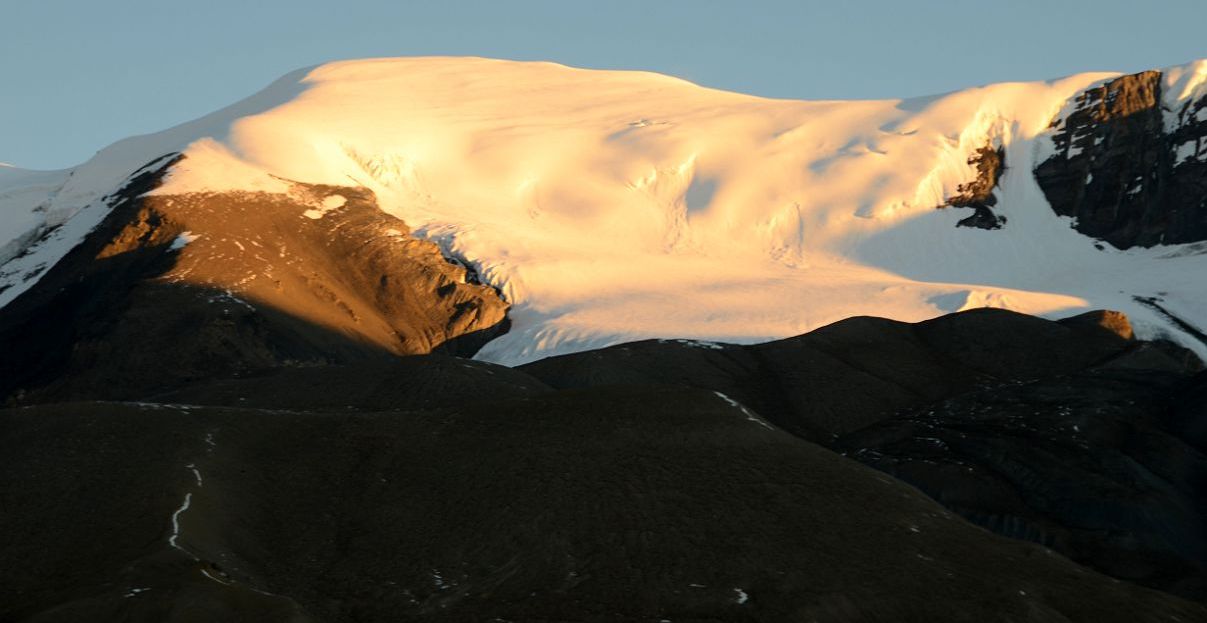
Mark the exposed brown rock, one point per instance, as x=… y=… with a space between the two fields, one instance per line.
x=353 y=269
x=260 y=280
x=1112 y=321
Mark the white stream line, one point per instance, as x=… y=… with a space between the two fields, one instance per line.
x=184 y=506
x=172 y=540
x=188 y=498
x=196 y=473
x=750 y=416
x=206 y=573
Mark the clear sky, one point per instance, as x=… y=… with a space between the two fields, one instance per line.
x=76 y=75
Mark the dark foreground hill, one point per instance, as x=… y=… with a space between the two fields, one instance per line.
x=601 y=504
x=1070 y=434
x=645 y=482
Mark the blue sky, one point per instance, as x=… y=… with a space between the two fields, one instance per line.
x=76 y=75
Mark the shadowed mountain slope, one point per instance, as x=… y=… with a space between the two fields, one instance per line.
x=1068 y=433
x=593 y=505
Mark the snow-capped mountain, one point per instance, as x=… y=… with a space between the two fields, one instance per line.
x=609 y=206
x=206 y=337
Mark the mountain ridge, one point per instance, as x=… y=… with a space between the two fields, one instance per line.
x=612 y=206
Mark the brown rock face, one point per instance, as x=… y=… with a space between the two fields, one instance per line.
x=1122 y=174
x=1114 y=322
x=978 y=194
x=171 y=288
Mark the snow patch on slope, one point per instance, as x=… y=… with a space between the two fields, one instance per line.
x=212 y=167
x=25 y=198
x=1180 y=85
x=183 y=240
x=328 y=204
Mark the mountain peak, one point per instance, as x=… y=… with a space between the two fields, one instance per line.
x=615 y=205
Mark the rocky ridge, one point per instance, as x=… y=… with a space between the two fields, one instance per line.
x=1130 y=170
x=172 y=288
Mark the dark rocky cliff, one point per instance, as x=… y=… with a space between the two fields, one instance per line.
x=1123 y=174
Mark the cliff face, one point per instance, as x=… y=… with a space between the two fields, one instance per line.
x=1128 y=170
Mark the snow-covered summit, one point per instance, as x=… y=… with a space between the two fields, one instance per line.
x=611 y=206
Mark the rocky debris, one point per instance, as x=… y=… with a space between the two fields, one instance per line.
x=979 y=193
x=173 y=288
x=949 y=404
x=610 y=503
x=1122 y=172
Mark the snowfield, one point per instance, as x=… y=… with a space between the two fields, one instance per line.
x=611 y=206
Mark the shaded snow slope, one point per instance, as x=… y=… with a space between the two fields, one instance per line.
x=612 y=206
x=24 y=196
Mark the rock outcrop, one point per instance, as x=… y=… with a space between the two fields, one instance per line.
x=173 y=288
x=1130 y=171
x=979 y=194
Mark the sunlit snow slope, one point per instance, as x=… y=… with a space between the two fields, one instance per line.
x=612 y=206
